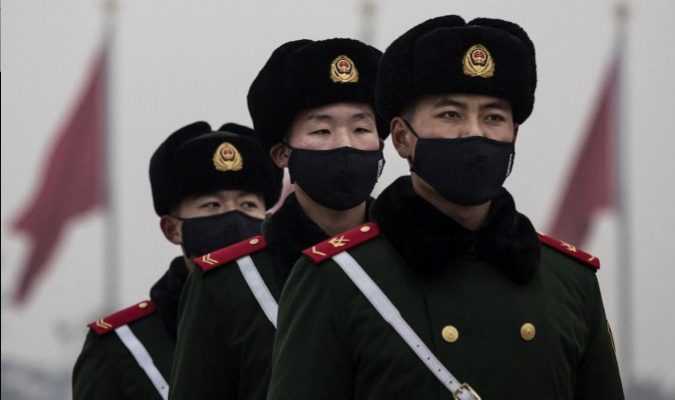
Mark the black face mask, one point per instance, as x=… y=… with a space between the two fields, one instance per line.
x=340 y=178
x=203 y=235
x=467 y=171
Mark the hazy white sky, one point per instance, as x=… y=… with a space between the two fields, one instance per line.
x=178 y=62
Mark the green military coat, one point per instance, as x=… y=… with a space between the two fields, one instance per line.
x=106 y=368
x=224 y=346
x=223 y=332
x=509 y=330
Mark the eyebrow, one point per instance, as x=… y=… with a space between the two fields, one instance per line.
x=361 y=116
x=196 y=196
x=447 y=101
x=325 y=117
x=498 y=104
x=319 y=117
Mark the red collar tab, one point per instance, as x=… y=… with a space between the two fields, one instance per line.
x=571 y=251
x=341 y=242
x=230 y=253
x=123 y=317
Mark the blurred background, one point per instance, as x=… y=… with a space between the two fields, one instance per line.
x=172 y=63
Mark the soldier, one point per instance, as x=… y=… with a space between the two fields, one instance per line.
x=449 y=278
x=312 y=108
x=210 y=189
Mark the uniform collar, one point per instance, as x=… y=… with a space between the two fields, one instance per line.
x=288 y=232
x=166 y=293
x=430 y=242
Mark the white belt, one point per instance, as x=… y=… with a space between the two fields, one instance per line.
x=259 y=289
x=143 y=359
x=391 y=314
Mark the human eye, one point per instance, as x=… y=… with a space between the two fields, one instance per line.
x=251 y=202
x=209 y=205
x=449 y=114
x=208 y=202
x=495 y=118
x=249 y=205
x=362 y=129
x=323 y=131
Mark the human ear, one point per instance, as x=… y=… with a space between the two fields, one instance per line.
x=402 y=138
x=280 y=153
x=172 y=229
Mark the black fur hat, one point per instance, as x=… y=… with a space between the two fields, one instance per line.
x=195 y=159
x=306 y=74
x=446 y=55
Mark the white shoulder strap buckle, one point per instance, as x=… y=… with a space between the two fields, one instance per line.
x=259 y=289
x=459 y=393
x=390 y=313
x=143 y=359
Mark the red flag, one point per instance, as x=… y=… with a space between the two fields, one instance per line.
x=592 y=183
x=72 y=180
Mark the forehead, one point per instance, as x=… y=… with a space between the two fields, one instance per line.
x=461 y=100
x=336 y=111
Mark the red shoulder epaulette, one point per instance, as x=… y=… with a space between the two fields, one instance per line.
x=341 y=242
x=571 y=251
x=123 y=317
x=230 y=253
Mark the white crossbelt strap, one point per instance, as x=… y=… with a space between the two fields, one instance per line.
x=391 y=314
x=259 y=289
x=143 y=359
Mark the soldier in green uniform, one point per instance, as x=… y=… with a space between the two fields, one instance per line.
x=312 y=108
x=449 y=292
x=210 y=189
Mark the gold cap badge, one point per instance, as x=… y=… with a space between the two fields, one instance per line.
x=343 y=70
x=227 y=158
x=478 y=62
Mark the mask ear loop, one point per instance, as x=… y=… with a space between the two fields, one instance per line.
x=410 y=159
x=182 y=246
x=405 y=121
x=288 y=145
x=285 y=143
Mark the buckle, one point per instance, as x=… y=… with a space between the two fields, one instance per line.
x=460 y=391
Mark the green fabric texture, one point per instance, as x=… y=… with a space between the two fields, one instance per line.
x=106 y=369
x=225 y=340
x=332 y=344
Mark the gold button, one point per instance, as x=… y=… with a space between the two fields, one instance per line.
x=450 y=334
x=143 y=304
x=365 y=229
x=254 y=241
x=527 y=331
